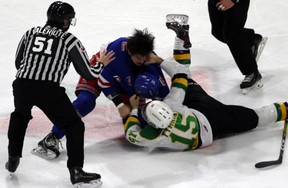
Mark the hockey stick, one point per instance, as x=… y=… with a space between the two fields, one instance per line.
x=279 y=160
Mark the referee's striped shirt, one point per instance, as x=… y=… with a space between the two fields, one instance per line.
x=45 y=54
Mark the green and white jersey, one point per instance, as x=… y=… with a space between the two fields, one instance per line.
x=188 y=130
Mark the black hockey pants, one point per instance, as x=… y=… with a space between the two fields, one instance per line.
x=224 y=119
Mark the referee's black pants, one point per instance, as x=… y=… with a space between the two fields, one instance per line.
x=228 y=27
x=54 y=102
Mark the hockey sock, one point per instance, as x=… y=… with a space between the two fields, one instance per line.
x=266 y=115
x=281 y=110
x=178 y=44
x=181 y=54
x=272 y=113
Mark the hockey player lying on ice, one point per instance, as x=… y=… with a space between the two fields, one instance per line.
x=188 y=118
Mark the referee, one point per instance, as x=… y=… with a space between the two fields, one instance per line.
x=43 y=57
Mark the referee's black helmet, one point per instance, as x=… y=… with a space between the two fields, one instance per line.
x=58 y=12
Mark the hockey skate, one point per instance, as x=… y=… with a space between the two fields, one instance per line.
x=179 y=24
x=250 y=82
x=258 y=46
x=12 y=164
x=48 y=148
x=82 y=179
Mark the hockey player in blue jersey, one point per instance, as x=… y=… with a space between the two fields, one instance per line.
x=128 y=72
x=149 y=84
x=117 y=80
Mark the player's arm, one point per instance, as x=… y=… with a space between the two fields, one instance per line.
x=108 y=86
x=142 y=137
x=134 y=133
x=179 y=74
x=131 y=124
x=178 y=90
x=170 y=66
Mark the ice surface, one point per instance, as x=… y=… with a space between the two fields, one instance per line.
x=227 y=163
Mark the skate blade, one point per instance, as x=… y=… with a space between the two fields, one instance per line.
x=182 y=19
x=44 y=153
x=91 y=184
x=261 y=47
x=257 y=85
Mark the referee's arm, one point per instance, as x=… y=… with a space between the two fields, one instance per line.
x=19 y=53
x=82 y=64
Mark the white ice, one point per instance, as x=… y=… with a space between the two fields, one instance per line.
x=227 y=163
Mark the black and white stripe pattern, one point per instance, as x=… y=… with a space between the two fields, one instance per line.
x=45 y=54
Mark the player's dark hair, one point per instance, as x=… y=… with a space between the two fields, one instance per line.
x=141 y=42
